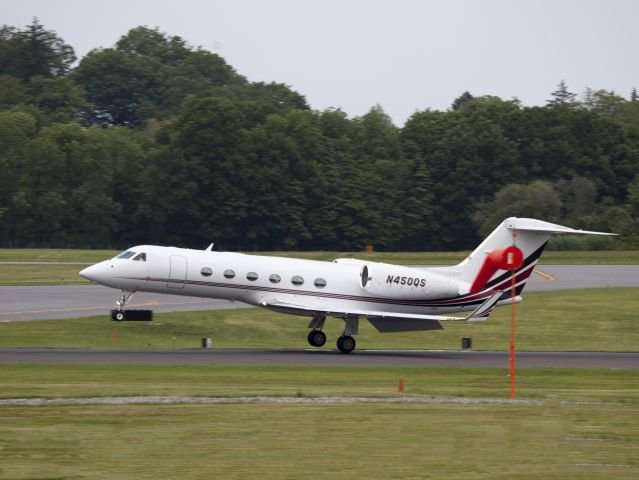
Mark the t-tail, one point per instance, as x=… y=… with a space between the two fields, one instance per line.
x=481 y=271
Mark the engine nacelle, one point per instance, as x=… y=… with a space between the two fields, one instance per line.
x=392 y=281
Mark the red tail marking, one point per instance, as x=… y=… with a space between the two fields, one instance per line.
x=510 y=258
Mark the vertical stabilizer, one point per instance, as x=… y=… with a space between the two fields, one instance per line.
x=527 y=234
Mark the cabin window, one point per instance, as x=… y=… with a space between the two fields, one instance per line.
x=275 y=278
x=125 y=255
x=140 y=257
x=319 y=282
x=229 y=273
x=297 y=280
x=206 y=272
x=252 y=276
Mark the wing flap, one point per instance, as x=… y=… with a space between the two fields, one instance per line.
x=390 y=324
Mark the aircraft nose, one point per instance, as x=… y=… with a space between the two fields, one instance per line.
x=95 y=273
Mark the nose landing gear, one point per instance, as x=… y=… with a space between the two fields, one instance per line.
x=122 y=315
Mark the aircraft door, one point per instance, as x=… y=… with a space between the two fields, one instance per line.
x=177 y=273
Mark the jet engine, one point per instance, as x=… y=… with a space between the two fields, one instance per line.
x=392 y=281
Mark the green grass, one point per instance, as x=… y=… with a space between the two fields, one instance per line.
x=54 y=274
x=594 y=439
x=54 y=255
x=590 y=258
x=335 y=441
x=575 y=320
x=58 y=381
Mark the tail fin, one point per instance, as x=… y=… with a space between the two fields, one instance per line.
x=527 y=234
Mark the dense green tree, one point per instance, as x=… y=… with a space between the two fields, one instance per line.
x=151 y=43
x=578 y=197
x=468 y=155
x=633 y=194
x=538 y=199
x=122 y=89
x=12 y=92
x=33 y=51
x=204 y=193
x=58 y=99
x=148 y=75
x=17 y=129
x=286 y=183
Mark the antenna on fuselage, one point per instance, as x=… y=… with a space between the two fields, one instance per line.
x=209 y=248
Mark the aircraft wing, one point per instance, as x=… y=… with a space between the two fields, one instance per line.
x=386 y=321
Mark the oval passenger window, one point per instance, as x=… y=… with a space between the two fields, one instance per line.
x=206 y=272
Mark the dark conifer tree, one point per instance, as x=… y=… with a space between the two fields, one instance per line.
x=463 y=98
x=561 y=96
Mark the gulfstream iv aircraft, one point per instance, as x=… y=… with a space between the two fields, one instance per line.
x=392 y=298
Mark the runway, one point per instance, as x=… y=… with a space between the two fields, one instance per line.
x=74 y=301
x=321 y=358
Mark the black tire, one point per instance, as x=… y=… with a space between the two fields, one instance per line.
x=346 y=344
x=132 y=315
x=316 y=338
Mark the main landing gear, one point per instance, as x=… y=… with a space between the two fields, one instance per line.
x=345 y=343
x=122 y=315
x=316 y=338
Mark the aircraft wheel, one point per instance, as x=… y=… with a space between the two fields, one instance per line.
x=118 y=316
x=316 y=338
x=346 y=344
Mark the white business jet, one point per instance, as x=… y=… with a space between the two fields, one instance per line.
x=392 y=298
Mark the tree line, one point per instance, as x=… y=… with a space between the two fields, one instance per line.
x=155 y=141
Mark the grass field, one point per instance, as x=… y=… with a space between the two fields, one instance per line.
x=64 y=274
x=586 y=427
x=60 y=381
x=563 y=320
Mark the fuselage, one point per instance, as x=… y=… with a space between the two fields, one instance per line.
x=255 y=280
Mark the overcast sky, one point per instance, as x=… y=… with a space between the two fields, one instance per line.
x=405 y=55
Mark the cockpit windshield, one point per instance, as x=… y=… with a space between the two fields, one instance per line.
x=126 y=255
x=140 y=257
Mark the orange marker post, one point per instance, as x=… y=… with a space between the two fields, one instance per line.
x=400 y=387
x=514 y=265
x=114 y=335
x=512 y=337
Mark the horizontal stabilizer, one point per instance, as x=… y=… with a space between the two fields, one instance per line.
x=532 y=225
